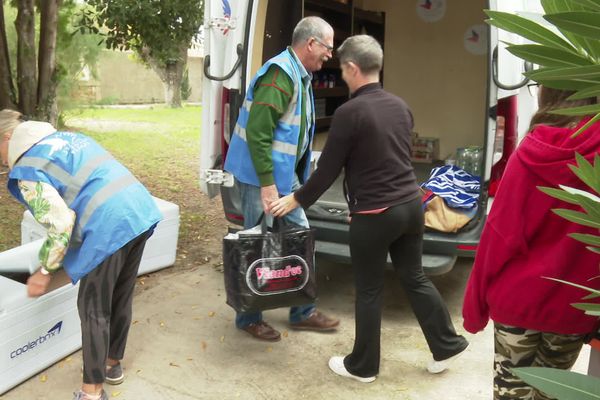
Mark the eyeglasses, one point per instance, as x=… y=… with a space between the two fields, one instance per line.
x=328 y=47
x=532 y=88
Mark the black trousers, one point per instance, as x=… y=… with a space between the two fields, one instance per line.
x=104 y=303
x=399 y=231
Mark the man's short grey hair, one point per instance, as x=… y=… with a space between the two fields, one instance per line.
x=364 y=51
x=310 y=27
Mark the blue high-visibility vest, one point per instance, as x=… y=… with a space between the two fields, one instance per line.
x=285 y=137
x=112 y=207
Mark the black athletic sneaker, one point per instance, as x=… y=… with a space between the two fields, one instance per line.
x=114 y=375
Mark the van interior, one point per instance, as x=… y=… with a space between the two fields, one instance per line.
x=435 y=58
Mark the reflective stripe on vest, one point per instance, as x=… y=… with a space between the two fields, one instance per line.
x=82 y=176
x=74 y=183
x=282 y=147
x=45 y=165
x=97 y=200
x=289 y=118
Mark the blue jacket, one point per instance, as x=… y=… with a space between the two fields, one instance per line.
x=112 y=207
x=285 y=137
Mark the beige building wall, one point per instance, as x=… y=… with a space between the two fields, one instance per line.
x=196 y=75
x=121 y=79
x=427 y=65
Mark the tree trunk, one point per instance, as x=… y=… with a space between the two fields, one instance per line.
x=172 y=83
x=46 y=90
x=26 y=60
x=170 y=74
x=7 y=89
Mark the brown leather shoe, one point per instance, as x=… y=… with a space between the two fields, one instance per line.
x=317 y=322
x=263 y=331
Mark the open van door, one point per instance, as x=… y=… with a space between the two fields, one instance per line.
x=238 y=38
x=513 y=102
x=227 y=26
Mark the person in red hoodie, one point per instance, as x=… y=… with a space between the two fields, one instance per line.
x=523 y=242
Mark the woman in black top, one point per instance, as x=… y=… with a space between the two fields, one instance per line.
x=370 y=137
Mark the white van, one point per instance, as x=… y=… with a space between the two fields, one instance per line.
x=462 y=86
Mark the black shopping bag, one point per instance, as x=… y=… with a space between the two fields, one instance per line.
x=269 y=268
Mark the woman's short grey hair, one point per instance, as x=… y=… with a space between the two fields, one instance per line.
x=364 y=51
x=310 y=27
x=9 y=119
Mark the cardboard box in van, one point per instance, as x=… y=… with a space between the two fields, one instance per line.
x=425 y=149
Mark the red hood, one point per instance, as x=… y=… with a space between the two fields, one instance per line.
x=547 y=150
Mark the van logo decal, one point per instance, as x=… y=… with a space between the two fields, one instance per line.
x=426 y=5
x=431 y=10
x=226 y=16
x=474 y=36
x=55 y=144
x=475 y=39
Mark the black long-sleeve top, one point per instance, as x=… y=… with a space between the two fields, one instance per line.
x=370 y=137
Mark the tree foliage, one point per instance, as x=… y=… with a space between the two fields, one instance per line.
x=159 y=31
x=41 y=55
x=75 y=52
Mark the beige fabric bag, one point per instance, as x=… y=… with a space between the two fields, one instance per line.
x=442 y=218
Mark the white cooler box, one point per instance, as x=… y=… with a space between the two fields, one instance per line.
x=160 y=249
x=35 y=333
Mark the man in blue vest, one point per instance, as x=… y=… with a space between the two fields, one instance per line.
x=98 y=217
x=269 y=153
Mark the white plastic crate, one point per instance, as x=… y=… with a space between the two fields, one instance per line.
x=35 y=332
x=160 y=250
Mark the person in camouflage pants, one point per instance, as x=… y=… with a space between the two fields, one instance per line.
x=518 y=347
x=524 y=242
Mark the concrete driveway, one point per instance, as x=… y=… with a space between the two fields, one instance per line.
x=183 y=346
